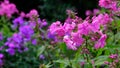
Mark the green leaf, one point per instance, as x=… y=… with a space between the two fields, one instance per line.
x=6 y=30
x=88 y=65
x=40 y=50
x=63 y=47
x=63 y=63
x=100 y=52
x=100 y=60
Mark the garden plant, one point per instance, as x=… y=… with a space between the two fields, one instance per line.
x=27 y=41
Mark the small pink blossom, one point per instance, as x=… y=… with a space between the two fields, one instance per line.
x=84 y=28
x=57 y=29
x=77 y=39
x=100 y=20
x=70 y=44
x=69 y=27
x=113 y=56
x=106 y=62
x=101 y=42
x=88 y=13
x=32 y=14
x=109 y=4
x=96 y=11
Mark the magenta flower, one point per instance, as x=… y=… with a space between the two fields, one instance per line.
x=34 y=41
x=11 y=51
x=68 y=28
x=88 y=13
x=70 y=44
x=74 y=42
x=32 y=14
x=113 y=56
x=77 y=39
x=101 y=42
x=84 y=28
x=1 y=59
x=100 y=20
x=109 y=4
x=57 y=29
x=7 y=8
x=96 y=11
x=1 y=56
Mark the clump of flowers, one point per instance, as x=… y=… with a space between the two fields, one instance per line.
x=86 y=41
x=7 y=8
x=72 y=32
x=109 y=4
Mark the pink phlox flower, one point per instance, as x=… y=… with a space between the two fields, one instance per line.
x=77 y=39
x=101 y=42
x=88 y=13
x=32 y=14
x=96 y=11
x=113 y=56
x=69 y=43
x=100 y=20
x=84 y=28
x=68 y=28
x=7 y=8
x=56 y=29
x=109 y=4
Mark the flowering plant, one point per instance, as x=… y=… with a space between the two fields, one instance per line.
x=92 y=42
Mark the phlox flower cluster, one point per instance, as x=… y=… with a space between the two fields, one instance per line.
x=72 y=32
x=26 y=32
x=115 y=60
x=112 y=5
x=26 y=29
x=94 y=12
x=7 y=9
x=109 y=4
x=18 y=40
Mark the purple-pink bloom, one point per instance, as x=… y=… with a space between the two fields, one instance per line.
x=77 y=39
x=26 y=31
x=70 y=44
x=42 y=57
x=113 y=56
x=84 y=28
x=43 y=23
x=88 y=13
x=101 y=42
x=109 y=4
x=57 y=29
x=96 y=11
x=68 y=27
x=100 y=20
x=32 y=14
x=1 y=56
x=1 y=59
x=11 y=51
x=74 y=41
x=106 y=62
x=34 y=41
x=18 y=22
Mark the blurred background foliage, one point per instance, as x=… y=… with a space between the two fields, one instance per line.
x=56 y=9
